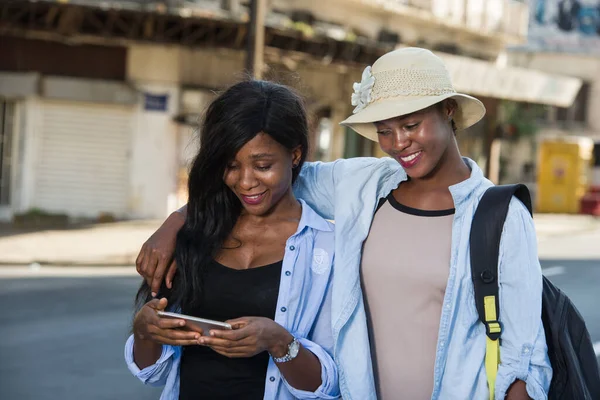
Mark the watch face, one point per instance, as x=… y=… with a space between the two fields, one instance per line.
x=294 y=348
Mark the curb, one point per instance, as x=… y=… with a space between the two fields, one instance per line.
x=66 y=264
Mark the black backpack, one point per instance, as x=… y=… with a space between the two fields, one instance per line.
x=575 y=368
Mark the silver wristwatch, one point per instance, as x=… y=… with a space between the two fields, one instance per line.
x=293 y=349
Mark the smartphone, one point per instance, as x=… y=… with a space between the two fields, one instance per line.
x=196 y=324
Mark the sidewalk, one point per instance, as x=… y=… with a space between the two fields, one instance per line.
x=119 y=243
x=548 y=225
x=100 y=244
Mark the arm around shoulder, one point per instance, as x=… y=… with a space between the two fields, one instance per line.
x=317 y=181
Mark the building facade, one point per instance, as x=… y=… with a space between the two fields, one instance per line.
x=99 y=106
x=564 y=38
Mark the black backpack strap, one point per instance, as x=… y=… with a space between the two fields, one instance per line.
x=486 y=231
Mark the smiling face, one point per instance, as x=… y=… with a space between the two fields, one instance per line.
x=419 y=141
x=261 y=173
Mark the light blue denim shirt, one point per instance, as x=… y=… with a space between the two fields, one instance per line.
x=303 y=308
x=348 y=191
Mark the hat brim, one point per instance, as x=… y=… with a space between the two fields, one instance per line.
x=469 y=112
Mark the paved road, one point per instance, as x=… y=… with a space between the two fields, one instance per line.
x=62 y=337
x=580 y=280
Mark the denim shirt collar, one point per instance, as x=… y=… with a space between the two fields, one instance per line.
x=463 y=191
x=312 y=220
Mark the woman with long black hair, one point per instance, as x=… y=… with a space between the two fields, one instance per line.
x=249 y=254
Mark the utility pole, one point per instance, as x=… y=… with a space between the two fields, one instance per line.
x=256 y=38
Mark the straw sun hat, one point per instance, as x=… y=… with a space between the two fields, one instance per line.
x=402 y=82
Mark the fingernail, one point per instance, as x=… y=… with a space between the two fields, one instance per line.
x=153 y=294
x=181 y=323
x=212 y=333
x=201 y=341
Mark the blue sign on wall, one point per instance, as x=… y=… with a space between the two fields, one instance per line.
x=154 y=102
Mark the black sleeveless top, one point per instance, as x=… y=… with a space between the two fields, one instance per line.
x=229 y=293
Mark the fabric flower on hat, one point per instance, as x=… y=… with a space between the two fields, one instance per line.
x=362 y=90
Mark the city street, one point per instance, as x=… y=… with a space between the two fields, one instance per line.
x=63 y=329
x=62 y=338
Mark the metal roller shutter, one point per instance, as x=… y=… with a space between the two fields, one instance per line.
x=83 y=165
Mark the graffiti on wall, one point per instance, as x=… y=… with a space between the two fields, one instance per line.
x=565 y=25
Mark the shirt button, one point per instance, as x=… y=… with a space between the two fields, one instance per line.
x=287 y=273
x=448 y=306
x=283 y=309
x=272 y=379
x=526 y=351
x=441 y=345
x=292 y=248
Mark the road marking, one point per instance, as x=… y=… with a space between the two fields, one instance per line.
x=597 y=349
x=553 y=271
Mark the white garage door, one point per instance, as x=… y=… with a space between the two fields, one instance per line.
x=83 y=164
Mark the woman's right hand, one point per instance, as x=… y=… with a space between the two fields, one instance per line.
x=149 y=326
x=155 y=260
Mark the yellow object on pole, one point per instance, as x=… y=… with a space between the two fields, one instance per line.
x=564 y=166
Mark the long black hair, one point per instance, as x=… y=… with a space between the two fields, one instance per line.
x=232 y=120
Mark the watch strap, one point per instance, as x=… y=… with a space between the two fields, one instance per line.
x=288 y=356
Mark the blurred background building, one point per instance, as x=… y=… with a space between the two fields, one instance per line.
x=563 y=148
x=100 y=100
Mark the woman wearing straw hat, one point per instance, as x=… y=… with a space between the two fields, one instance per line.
x=404 y=321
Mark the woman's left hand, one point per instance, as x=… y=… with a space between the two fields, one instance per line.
x=249 y=337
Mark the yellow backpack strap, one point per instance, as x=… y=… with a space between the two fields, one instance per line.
x=492 y=348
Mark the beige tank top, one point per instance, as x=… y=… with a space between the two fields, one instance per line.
x=405 y=265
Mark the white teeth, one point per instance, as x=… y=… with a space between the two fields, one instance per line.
x=411 y=157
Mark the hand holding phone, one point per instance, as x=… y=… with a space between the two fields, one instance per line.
x=251 y=336
x=195 y=324
x=148 y=326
